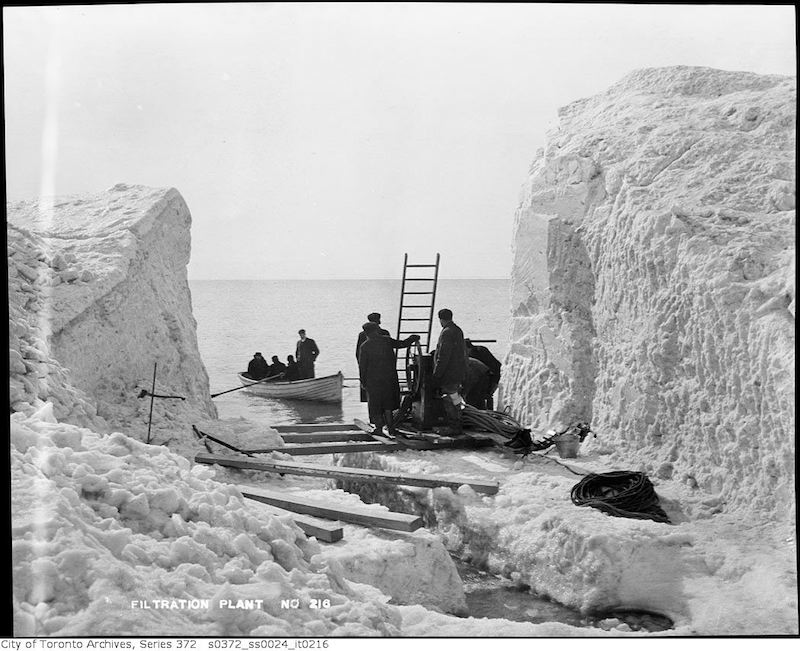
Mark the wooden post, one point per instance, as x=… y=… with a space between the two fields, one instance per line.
x=152 y=397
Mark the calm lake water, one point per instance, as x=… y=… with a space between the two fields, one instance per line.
x=235 y=318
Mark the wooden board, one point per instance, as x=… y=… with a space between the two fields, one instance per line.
x=324 y=530
x=328 y=448
x=325 y=437
x=344 y=472
x=363 y=516
x=321 y=427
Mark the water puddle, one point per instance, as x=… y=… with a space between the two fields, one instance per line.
x=495 y=597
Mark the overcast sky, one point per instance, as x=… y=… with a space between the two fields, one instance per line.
x=325 y=140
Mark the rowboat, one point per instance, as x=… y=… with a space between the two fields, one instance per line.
x=322 y=389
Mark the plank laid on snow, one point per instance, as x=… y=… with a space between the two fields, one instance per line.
x=355 y=515
x=328 y=448
x=319 y=427
x=321 y=529
x=344 y=472
x=325 y=437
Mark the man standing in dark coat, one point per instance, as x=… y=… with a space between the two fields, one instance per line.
x=258 y=368
x=449 y=370
x=374 y=317
x=378 y=374
x=306 y=354
x=482 y=354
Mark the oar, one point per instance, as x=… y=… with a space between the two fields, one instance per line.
x=268 y=379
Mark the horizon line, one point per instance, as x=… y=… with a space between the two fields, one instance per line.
x=362 y=278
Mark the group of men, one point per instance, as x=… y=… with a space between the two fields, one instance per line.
x=459 y=368
x=299 y=366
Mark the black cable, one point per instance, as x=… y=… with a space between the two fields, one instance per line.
x=622 y=493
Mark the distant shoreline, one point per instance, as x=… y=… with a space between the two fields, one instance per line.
x=329 y=279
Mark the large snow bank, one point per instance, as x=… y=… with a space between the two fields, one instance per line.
x=653 y=289
x=103 y=525
x=98 y=286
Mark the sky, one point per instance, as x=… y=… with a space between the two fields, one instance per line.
x=327 y=140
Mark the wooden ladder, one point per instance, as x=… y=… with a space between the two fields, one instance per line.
x=417 y=300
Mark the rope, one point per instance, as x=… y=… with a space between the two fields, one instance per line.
x=624 y=494
x=492 y=421
x=560 y=463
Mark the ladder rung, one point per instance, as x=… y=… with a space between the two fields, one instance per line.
x=402 y=318
x=406 y=293
x=413 y=332
x=427 y=307
x=429 y=279
x=421 y=265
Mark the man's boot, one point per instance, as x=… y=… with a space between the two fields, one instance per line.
x=388 y=418
x=453 y=418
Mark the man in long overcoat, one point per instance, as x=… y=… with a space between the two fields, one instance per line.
x=378 y=374
x=373 y=317
x=450 y=369
x=306 y=353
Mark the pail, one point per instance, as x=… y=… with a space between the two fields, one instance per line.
x=567 y=447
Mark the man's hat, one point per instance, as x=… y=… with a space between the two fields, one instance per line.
x=374 y=317
x=369 y=326
x=257 y=355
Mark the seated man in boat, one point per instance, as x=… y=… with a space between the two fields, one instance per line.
x=306 y=353
x=277 y=368
x=292 y=373
x=378 y=375
x=258 y=368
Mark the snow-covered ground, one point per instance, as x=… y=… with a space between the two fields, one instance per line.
x=112 y=536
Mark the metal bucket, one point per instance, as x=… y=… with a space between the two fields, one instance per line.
x=567 y=447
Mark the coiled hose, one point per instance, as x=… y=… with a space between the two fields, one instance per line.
x=492 y=421
x=623 y=493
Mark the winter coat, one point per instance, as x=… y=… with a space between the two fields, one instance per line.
x=483 y=354
x=292 y=372
x=378 y=374
x=277 y=368
x=477 y=383
x=450 y=358
x=258 y=368
x=362 y=337
x=305 y=354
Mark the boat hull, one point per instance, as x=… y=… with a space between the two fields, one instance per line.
x=319 y=389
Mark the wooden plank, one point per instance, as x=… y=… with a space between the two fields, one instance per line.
x=328 y=448
x=344 y=472
x=324 y=530
x=317 y=427
x=326 y=437
x=355 y=515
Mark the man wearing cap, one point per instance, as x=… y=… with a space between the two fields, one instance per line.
x=378 y=374
x=374 y=317
x=258 y=368
x=306 y=354
x=449 y=371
